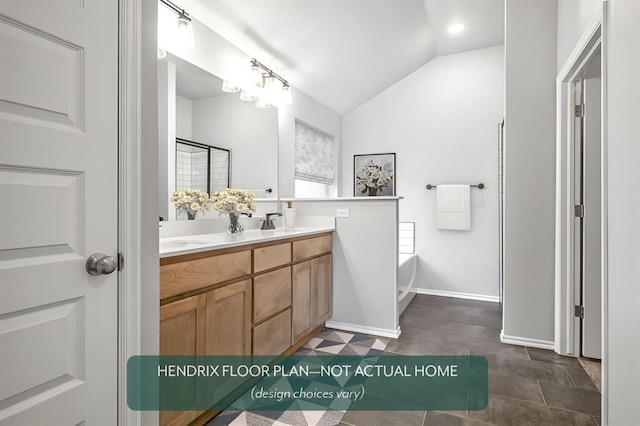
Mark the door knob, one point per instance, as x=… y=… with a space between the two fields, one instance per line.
x=100 y=264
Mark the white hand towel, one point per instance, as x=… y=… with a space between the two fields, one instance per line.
x=454 y=207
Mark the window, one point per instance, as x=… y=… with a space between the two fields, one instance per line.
x=314 y=162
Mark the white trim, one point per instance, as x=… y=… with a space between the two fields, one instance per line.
x=129 y=323
x=605 y=219
x=566 y=329
x=526 y=341
x=469 y=296
x=363 y=329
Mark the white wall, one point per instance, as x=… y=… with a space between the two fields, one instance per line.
x=184 y=119
x=573 y=18
x=621 y=368
x=251 y=134
x=147 y=321
x=441 y=121
x=365 y=261
x=530 y=71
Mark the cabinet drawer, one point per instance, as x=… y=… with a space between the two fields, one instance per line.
x=271 y=293
x=273 y=337
x=182 y=277
x=310 y=247
x=271 y=257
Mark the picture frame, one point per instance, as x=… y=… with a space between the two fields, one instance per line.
x=374 y=175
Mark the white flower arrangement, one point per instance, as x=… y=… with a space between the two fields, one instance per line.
x=191 y=201
x=374 y=175
x=233 y=201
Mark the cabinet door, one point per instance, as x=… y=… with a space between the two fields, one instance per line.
x=302 y=283
x=322 y=290
x=182 y=332
x=229 y=320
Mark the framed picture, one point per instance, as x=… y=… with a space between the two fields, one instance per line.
x=374 y=175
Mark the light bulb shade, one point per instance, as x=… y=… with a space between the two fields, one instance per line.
x=246 y=95
x=229 y=87
x=185 y=32
x=273 y=90
x=457 y=27
x=255 y=76
x=287 y=98
x=261 y=102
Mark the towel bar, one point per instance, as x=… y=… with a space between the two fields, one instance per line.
x=479 y=186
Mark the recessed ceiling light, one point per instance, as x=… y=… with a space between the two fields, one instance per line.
x=457 y=27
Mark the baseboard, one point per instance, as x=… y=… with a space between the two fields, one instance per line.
x=470 y=296
x=383 y=332
x=525 y=341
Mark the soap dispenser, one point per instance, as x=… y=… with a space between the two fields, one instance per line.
x=289 y=216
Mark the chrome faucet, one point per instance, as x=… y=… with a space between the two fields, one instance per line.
x=268 y=222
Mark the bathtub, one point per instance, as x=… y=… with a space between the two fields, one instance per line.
x=406 y=280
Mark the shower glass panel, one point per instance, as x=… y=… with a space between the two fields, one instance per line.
x=200 y=166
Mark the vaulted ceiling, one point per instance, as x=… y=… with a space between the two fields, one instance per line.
x=344 y=52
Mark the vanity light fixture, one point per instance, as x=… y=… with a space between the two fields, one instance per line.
x=457 y=27
x=264 y=86
x=184 y=30
x=229 y=87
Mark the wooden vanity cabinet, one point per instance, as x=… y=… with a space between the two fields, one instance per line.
x=182 y=332
x=312 y=286
x=229 y=320
x=261 y=299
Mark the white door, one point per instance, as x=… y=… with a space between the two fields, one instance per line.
x=58 y=198
x=592 y=188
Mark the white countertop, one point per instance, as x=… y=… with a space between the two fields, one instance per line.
x=174 y=246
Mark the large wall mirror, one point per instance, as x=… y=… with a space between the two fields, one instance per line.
x=204 y=125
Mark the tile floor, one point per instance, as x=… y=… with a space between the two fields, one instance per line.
x=527 y=386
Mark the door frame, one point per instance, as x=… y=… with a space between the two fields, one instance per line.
x=138 y=289
x=567 y=327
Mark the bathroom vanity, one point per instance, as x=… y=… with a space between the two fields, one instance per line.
x=267 y=294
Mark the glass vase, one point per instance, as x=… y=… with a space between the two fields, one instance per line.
x=373 y=191
x=234 y=227
x=191 y=215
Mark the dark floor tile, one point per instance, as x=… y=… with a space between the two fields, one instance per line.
x=516 y=387
x=538 y=370
x=439 y=312
x=506 y=411
x=571 y=418
x=580 y=400
x=423 y=334
x=550 y=356
x=443 y=326
x=479 y=346
x=485 y=332
x=408 y=346
x=581 y=379
x=490 y=306
x=491 y=321
x=426 y=300
x=439 y=418
x=383 y=418
x=475 y=311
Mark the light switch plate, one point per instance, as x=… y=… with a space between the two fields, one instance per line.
x=342 y=212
